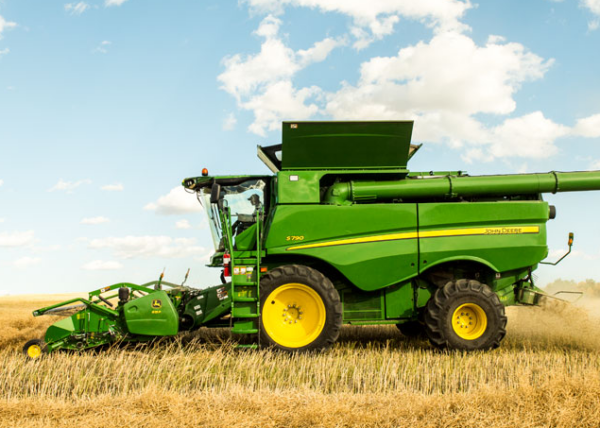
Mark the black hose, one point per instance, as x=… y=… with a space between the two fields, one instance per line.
x=106 y=301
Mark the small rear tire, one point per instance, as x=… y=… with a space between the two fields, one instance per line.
x=465 y=315
x=35 y=349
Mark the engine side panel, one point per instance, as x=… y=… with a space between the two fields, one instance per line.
x=505 y=235
x=373 y=245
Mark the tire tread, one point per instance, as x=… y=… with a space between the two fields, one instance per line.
x=442 y=298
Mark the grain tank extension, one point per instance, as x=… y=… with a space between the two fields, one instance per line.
x=341 y=232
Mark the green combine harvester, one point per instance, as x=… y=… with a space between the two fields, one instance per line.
x=342 y=232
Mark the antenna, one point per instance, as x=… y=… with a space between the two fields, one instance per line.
x=158 y=285
x=186 y=276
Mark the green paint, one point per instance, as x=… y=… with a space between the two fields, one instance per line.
x=151 y=315
x=345 y=145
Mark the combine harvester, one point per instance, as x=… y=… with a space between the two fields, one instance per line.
x=343 y=233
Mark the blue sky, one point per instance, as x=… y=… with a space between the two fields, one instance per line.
x=106 y=105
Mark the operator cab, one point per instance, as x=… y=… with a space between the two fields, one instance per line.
x=244 y=197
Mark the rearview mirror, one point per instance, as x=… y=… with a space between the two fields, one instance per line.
x=215 y=193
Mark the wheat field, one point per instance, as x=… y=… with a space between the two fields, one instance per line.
x=546 y=373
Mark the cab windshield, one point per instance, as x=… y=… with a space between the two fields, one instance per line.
x=243 y=201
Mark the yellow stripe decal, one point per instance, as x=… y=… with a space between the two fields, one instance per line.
x=512 y=230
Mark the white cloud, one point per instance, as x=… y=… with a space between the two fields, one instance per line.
x=318 y=52
x=375 y=19
x=229 y=122
x=108 y=3
x=255 y=80
x=1 y=182
x=592 y=6
x=102 y=265
x=117 y=187
x=26 y=262
x=183 y=224
x=130 y=247
x=443 y=84
x=94 y=220
x=16 y=239
x=6 y=25
x=450 y=73
x=177 y=201
x=2 y=220
x=530 y=136
x=76 y=8
x=281 y=101
x=588 y=127
x=68 y=186
x=274 y=62
x=102 y=47
x=4 y=51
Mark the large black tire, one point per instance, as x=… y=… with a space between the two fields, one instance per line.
x=465 y=315
x=34 y=349
x=300 y=309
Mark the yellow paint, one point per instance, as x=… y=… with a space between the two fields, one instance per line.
x=520 y=230
x=469 y=321
x=390 y=237
x=34 y=351
x=514 y=230
x=293 y=315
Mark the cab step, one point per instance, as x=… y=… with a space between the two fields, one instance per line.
x=246 y=316
x=239 y=299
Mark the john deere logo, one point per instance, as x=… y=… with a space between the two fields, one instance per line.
x=156 y=303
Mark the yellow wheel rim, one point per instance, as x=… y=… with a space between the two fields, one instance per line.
x=293 y=315
x=34 y=351
x=469 y=321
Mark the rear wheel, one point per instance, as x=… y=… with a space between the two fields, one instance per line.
x=300 y=309
x=466 y=315
x=34 y=349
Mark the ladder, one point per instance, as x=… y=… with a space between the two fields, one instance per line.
x=245 y=284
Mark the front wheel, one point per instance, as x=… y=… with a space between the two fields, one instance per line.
x=466 y=315
x=34 y=349
x=300 y=309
